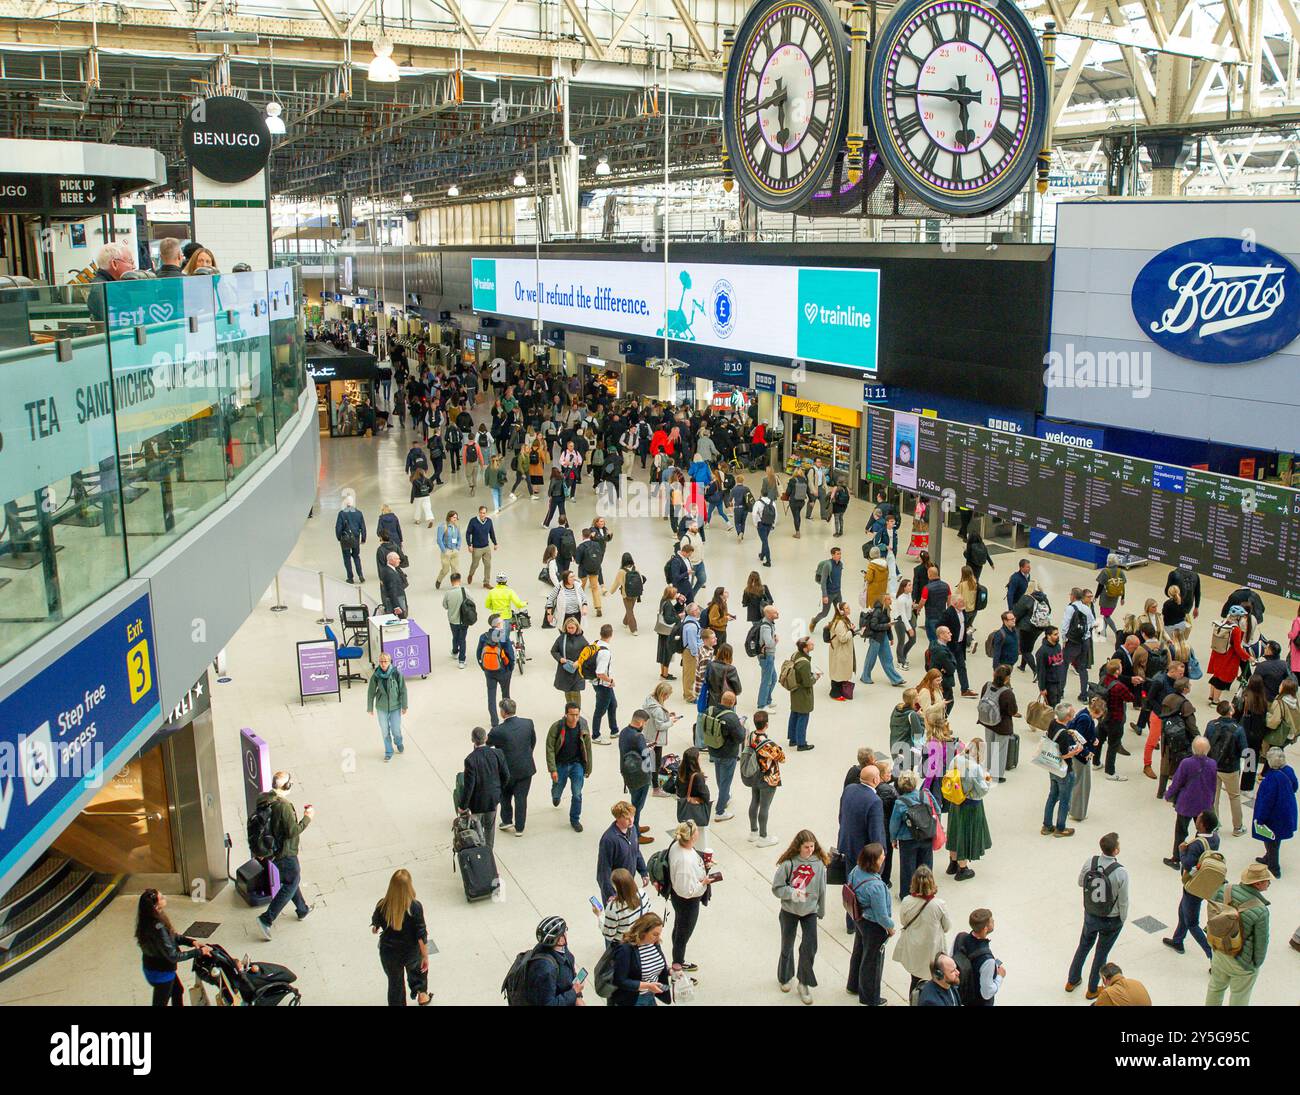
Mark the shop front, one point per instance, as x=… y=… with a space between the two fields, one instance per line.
x=825 y=432
x=344 y=379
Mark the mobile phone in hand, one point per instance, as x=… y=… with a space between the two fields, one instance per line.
x=715 y=876
x=596 y=904
x=582 y=975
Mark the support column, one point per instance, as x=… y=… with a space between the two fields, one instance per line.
x=233 y=220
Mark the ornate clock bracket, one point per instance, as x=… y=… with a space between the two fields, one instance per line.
x=728 y=41
x=1045 y=154
x=859 y=48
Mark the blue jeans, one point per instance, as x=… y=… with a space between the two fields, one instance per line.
x=637 y=799
x=574 y=773
x=879 y=649
x=1189 y=916
x=496 y=496
x=766 y=682
x=764 y=551
x=390 y=725
x=290 y=890
x=606 y=702
x=458 y=641
x=797 y=729
x=725 y=770
x=720 y=509
x=1058 y=795
x=1103 y=931
x=931 y=626
x=700 y=577
x=646 y=1000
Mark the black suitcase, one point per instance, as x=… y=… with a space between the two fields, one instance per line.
x=478 y=872
x=1013 y=751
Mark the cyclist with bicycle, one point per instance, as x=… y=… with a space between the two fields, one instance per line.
x=503 y=601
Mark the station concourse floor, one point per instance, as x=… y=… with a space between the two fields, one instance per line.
x=373 y=817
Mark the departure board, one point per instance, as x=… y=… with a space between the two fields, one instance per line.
x=1242 y=531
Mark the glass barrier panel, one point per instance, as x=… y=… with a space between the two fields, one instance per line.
x=244 y=370
x=171 y=433
x=61 y=542
x=287 y=377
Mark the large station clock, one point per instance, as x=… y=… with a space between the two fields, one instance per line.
x=785 y=108
x=958 y=102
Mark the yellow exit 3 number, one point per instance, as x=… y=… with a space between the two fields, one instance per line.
x=138 y=673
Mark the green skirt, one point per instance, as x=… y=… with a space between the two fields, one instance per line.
x=968 y=831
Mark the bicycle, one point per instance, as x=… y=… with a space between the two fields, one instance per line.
x=519 y=623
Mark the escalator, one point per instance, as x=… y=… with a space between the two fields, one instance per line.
x=47 y=906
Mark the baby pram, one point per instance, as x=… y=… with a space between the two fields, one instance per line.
x=248 y=984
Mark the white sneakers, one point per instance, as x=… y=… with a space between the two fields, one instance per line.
x=724 y=817
x=766 y=841
x=805 y=994
x=786 y=986
x=1117 y=778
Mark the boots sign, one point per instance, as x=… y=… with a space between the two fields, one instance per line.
x=225 y=138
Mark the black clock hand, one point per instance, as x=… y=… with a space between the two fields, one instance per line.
x=957 y=95
x=778 y=96
x=965 y=136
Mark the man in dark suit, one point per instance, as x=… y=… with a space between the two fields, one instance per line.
x=954 y=619
x=486 y=773
x=169 y=258
x=392 y=585
x=680 y=573
x=862 y=818
x=516 y=739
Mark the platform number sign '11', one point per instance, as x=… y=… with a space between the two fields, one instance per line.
x=957 y=102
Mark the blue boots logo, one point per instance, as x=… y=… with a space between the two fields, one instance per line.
x=1218 y=300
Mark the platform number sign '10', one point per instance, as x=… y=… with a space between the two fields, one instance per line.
x=1219 y=301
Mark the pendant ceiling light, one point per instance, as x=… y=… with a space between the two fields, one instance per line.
x=383 y=69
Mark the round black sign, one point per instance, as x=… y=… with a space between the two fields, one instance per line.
x=225 y=138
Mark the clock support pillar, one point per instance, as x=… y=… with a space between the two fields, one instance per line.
x=859 y=46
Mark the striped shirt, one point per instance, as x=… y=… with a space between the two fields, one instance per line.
x=618 y=917
x=652 y=962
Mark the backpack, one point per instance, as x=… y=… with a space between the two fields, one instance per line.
x=418 y=461
x=453 y=436
x=1211 y=872
x=1114 y=584
x=988 y=643
x=435 y=447
x=979 y=554
x=1041 y=614
x=751 y=768
x=515 y=986
x=1099 y=893
x=493 y=657
x=822 y=567
x=466 y=832
x=1174 y=740
x=1077 y=632
x=786 y=678
x=657 y=870
x=603 y=975
x=712 y=735
x=950 y=786
x=668 y=570
x=753 y=645
x=968 y=987
x=471 y=453
x=668 y=774
x=262 y=842
x=981 y=597
x=748 y=501
x=586 y=662
x=1157 y=662
x=1221 y=637
x=633 y=769
x=1221 y=745
x=468 y=611
x=988 y=711
x=920 y=820
x=633 y=584
x=1223 y=923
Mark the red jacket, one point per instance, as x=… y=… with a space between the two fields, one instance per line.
x=659 y=443
x=1225 y=666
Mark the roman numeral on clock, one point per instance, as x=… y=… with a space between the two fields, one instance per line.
x=816 y=130
x=909 y=126
x=1006 y=67
x=1013 y=102
x=929 y=157
x=1004 y=137
x=962 y=33
x=931 y=24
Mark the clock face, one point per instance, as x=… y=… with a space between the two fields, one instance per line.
x=957 y=102
x=785 y=108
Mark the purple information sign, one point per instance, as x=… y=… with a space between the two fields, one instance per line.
x=318 y=668
x=410 y=655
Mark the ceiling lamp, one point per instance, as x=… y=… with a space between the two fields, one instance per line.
x=383 y=69
x=407 y=198
x=453 y=191
x=519 y=179
x=274 y=123
x=602 y=166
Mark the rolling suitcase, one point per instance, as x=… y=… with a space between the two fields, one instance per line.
x=1013 y=751
x=478 y=871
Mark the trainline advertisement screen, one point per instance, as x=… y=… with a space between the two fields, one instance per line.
x=817 y=314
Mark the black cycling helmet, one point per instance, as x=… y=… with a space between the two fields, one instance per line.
x=550 y=930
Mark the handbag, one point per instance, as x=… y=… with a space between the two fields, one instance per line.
x=1040 y=715
x=940 y=837
x=199 y=995
x=697 y=812
x=1194 y=670
x=1049 y=757
x=837 y=870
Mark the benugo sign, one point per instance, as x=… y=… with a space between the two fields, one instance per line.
x=225 y=138
x=818 y=314
x=827 y=412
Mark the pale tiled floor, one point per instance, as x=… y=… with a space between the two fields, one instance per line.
x=373 y=818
